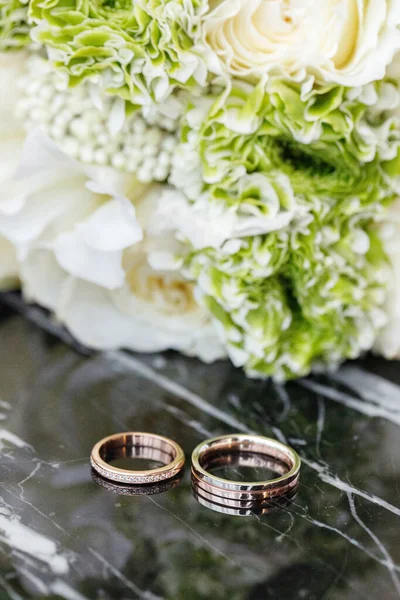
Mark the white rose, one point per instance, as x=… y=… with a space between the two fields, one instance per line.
x=349 y=42
x=11 y=142
x=388 y=343
x=83 y=239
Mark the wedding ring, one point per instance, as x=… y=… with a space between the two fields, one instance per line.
x=242 y=493
x=137 y=445
x=126 y=489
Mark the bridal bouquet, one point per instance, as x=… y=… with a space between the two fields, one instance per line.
x=219 y=177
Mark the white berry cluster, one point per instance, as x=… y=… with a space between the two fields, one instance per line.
x=96 y=129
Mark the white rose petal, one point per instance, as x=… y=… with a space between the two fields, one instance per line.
x=79 y=259
x=9 y=271
x=91 y=317
x=42 y=277
x=111 y=228
x=349 y=42
x=84 y=238
x=12 y=138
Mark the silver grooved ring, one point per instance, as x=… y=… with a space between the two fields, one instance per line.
x=239 y=491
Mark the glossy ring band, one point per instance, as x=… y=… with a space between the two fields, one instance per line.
x=217 y=488
x=244 y=509
x=137 y=445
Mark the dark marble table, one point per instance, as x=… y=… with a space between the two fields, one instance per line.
x=63 y=536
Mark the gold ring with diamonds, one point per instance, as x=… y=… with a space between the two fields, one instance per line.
x=134 y=444
x=132 y=489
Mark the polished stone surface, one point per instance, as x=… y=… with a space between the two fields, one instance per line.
x=64 y=536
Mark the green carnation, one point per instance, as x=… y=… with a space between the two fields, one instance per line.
x=340 y=137
x=286 y=303
x=140 y=50
x=14 y=28
x=300 y=276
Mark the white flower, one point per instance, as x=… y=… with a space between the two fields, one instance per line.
x=11 y=68
x=388 y=343
x=95 y=128
x=349 y=42
x=393 y=69
x=51 y=202
x=210 y=224
x=11 y=142
x=83 y=237
x=8 y=265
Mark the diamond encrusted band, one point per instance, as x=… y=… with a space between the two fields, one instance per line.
x=130 y=489
x=139 y=445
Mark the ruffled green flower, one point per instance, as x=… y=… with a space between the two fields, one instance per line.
x=303 y=283
x=14 y=27
x=141 y=50
x=326 y=144
x=287 y=303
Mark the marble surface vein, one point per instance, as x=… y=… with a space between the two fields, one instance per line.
x=64 y=536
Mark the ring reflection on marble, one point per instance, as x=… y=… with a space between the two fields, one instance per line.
x=225 y=490
x=250 y=503
x=134 y=444
x=245 y=510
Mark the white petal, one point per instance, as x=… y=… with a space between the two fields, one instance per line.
x=92 y=318
x=43 y=279
x=117 y=116
x=80 y=260
x=110 y=228
x=9 y=269
x=348 y=42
